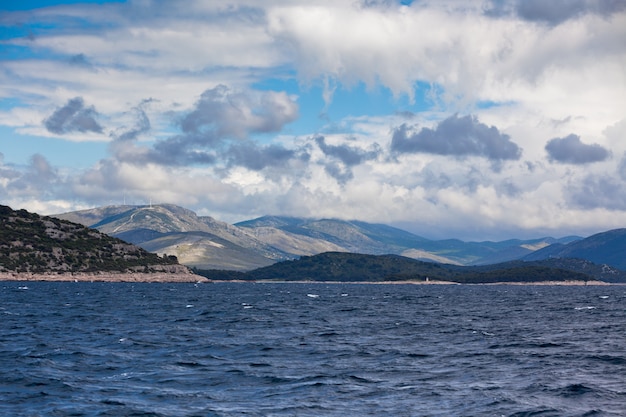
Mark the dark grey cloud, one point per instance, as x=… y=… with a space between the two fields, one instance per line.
x=222 y=113
x=73 y=117
x=456 y=136
x=570 y=150
x=554 y=12
x=142 y=124
x=216 y=129
x=345 y=157
x=256 y=158
x=340 y=173
x=177 y=150
x=349 y=155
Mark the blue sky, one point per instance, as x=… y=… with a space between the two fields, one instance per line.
x=480 y=119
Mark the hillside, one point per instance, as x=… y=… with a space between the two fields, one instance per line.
x=296 y=235
x=30 y=243
x=197 y=241
x=599 y=272
x=351 y=267
x=607 y=248
x=602 y=248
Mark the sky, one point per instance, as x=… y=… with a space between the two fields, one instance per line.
x=473 y=119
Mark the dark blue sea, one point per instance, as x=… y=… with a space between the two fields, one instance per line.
x=243 y=349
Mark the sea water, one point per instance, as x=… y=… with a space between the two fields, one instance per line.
x=244 y=349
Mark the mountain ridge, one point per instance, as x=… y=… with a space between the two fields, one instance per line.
x=206 y=243
x=197 y=241
x=607 y=247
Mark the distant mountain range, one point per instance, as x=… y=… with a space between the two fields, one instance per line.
x=206 y=243
x=602 y=248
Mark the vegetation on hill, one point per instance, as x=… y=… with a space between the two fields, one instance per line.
x=599 y=272
x=341 y=266
x=352 y=267
x=40 y=244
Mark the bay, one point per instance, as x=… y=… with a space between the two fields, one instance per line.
x=245 y=349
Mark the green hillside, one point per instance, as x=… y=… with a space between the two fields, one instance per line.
x=352 y=267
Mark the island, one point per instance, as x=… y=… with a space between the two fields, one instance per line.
x=343 y=267
x=34 y=247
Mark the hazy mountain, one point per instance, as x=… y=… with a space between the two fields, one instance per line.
x=312 y=236
x=602 y=248
x=294 y=235
x=516 y=249
x=196 y=241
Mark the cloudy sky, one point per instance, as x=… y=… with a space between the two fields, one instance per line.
x=484 y=119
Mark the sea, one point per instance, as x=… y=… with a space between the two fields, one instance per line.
x=311 y=349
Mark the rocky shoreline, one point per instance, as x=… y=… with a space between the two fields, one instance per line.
x=104 y=277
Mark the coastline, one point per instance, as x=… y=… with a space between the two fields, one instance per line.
x=163 y=277
x=431 y=282
x=173 y=277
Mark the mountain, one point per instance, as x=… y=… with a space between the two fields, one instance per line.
x=602 y=248
x=200 y=242
x=297 y=236
x=30 y=243
x=206 y=243
x=311 y=236
x=352 y=267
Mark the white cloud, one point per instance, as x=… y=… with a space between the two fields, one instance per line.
x=533 y=75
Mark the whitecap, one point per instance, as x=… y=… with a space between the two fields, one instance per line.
x=584 y=308
x=313 y=295
x=23 y=288
x=189 y=306
x=604 y=297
